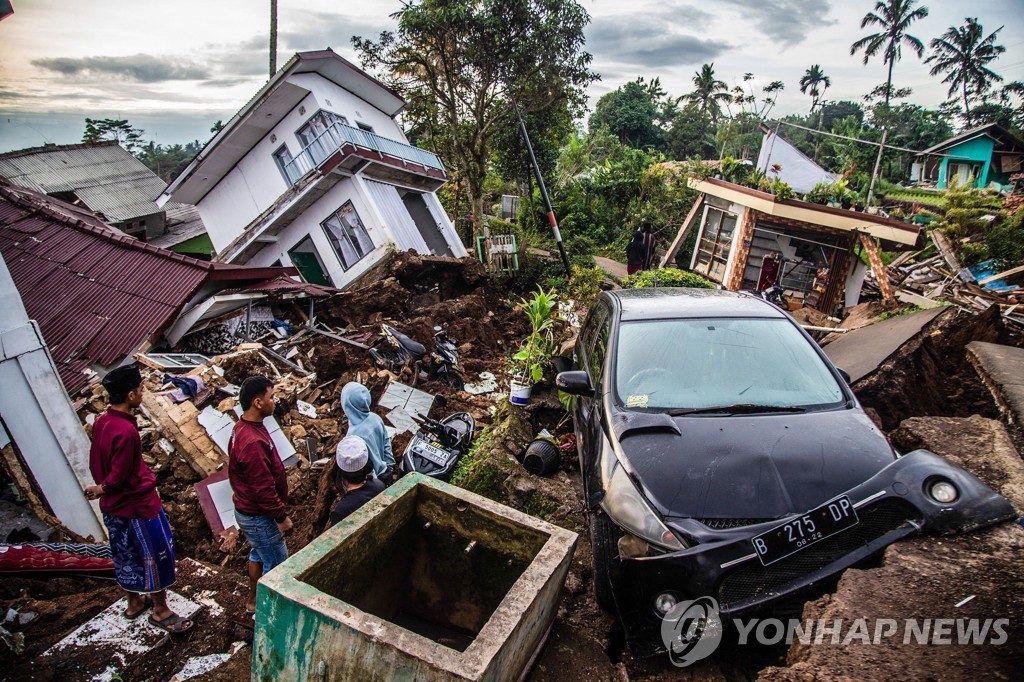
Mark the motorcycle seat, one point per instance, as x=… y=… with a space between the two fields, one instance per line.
x=414 y=347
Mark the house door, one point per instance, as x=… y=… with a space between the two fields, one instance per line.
x=428 y=228
x=307 y=260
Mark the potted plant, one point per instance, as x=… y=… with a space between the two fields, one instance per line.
x=529 y=363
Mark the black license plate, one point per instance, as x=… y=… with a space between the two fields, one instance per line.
x=803 y=531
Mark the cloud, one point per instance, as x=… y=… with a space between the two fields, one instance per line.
x=787 y=21
x=651 y=42
x=317 y=30
x=141 y=68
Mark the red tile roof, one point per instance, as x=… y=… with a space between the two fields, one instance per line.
x=96 y=293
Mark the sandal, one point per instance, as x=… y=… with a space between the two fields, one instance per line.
x=173 y=624
x=147 y=604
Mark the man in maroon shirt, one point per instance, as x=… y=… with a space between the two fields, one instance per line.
x=140 y=537
x=259 y=483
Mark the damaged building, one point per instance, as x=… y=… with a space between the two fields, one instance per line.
x=315 y=172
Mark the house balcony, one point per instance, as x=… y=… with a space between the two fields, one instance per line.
x=356 y=149
x=339 y=152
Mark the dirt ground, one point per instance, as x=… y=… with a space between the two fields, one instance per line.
x=414 y=293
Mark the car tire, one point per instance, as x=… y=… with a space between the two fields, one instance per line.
x=605 y=552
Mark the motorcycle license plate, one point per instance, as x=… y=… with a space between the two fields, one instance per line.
x=432 y=453
x=803 y=531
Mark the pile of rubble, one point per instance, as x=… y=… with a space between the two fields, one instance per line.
x=929 y=280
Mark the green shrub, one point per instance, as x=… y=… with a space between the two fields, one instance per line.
x=666 y=277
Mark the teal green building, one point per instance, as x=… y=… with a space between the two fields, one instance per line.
x=983 y=155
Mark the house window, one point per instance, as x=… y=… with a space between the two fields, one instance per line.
x=283 y=159
x=713 y=247
x=365 y=126
x=348 y=235
x=318 y=137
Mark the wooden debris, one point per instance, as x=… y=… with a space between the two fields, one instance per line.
x=179 y=424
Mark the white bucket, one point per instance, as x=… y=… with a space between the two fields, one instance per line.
x=519 y=394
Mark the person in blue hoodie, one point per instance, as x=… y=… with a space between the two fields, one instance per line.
x=355 y=401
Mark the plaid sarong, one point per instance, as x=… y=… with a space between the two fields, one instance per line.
x=143 y=552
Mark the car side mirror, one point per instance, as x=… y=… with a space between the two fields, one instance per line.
x=575 y=383
x=561 y=363
x=844 y=374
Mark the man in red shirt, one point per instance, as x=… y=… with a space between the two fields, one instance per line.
x=140 y=537
x=259 y=483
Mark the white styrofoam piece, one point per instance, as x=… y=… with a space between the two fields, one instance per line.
x=218 y=425
x=285 y=449
x=488 y=384
x=119 y=640
x=221 y=493
x=405 y=401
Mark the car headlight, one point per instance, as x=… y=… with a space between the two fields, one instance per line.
x=626 y=506
x=942 y=491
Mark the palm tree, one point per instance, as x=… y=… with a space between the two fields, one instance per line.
x=811 y=79
x=962 y=54
x=894 y=17
x=710 y=91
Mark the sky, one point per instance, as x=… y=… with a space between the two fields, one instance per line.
x=175 y=68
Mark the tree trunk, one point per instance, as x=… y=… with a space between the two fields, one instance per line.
x=878 y=162
x=967 y=107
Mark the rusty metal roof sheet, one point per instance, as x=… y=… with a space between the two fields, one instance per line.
x=107 y=178
x=96 y=293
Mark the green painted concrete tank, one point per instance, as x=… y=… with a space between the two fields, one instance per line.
x=425 y=582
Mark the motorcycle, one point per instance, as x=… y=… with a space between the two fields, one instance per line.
x=394 y=351
x=437 y=446
x=443 y=364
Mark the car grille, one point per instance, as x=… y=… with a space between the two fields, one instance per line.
x=755 y=579
x=724 y=524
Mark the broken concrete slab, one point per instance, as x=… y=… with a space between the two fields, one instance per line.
x=1001 y=368
x=115 y=640
x=938 y=583
x=426 y=581
x=861 y=351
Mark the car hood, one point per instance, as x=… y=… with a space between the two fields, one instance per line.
x=753 y=466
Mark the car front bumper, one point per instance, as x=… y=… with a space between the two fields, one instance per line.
x=891 y=505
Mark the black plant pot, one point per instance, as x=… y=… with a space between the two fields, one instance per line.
x=846 y=203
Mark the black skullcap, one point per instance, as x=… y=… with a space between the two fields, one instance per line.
x=122 y=379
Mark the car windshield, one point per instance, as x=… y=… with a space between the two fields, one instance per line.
x=694 y=364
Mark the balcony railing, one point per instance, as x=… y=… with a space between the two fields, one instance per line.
x=338 y=134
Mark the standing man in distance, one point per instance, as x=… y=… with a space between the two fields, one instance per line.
x=141 y=543
x=259 y=482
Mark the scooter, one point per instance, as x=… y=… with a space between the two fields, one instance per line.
x=443 y=364
x=438 y=446
x=393 y=350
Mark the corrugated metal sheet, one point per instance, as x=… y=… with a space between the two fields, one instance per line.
x=106 y=177
x=96 y=293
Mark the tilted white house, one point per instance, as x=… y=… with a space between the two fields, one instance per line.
x=315 y=171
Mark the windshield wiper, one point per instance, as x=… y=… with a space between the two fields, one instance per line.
x=742 y=408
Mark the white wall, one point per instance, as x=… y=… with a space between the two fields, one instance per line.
x=309 y=223
x=797 y=170
x=256 y=182
x=39 y=417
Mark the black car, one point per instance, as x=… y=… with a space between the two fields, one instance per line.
x=724 y=455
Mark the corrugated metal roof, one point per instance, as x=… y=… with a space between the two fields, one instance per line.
x=96 y=293
x=107 y=178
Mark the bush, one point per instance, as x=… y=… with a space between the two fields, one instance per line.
x=666 y=277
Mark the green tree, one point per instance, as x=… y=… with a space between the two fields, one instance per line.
x=629 y=112
x=128 y=136
x=692 y=133
x=894 y=18
x=963 y=54
x=168 y=161
x=815 y=80
x=457 y=62
x=709 y=92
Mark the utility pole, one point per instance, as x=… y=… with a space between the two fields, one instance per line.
x=273 y=37
x=540 y=184
x=878 y=163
